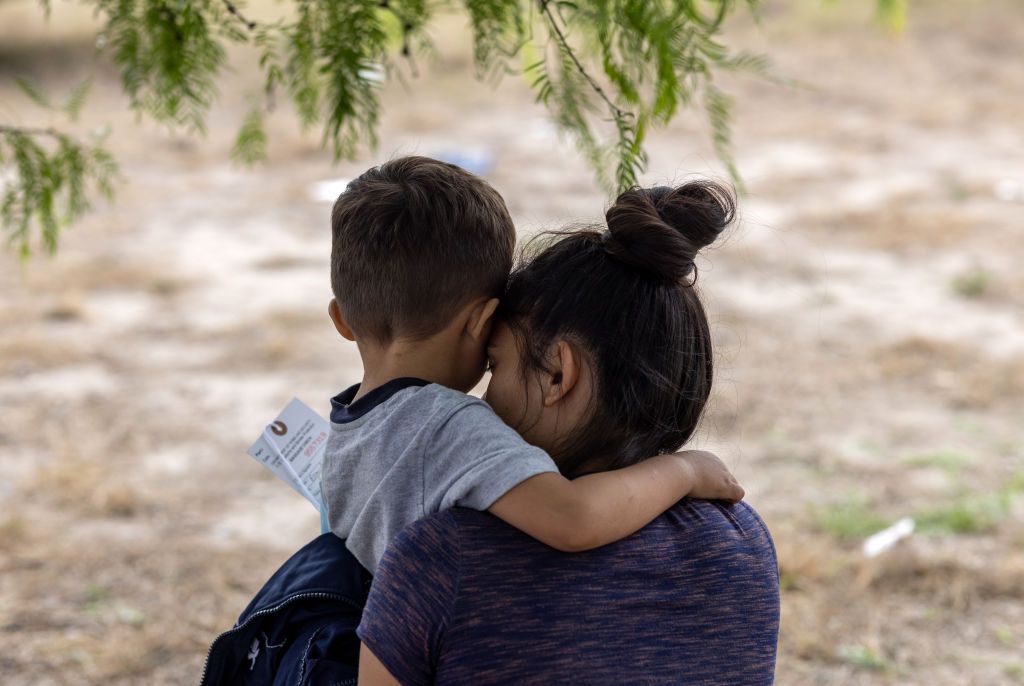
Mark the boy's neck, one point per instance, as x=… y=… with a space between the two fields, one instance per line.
x=430 y=359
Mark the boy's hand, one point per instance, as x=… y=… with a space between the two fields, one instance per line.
x=712 y=480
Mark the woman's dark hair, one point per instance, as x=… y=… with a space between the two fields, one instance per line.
x=626 y=296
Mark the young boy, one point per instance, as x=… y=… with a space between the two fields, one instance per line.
x=421 y=252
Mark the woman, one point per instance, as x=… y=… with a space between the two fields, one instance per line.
x=603 y=349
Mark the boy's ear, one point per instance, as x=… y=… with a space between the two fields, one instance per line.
x=338 y=317
x=563 y=374
x=481 y=320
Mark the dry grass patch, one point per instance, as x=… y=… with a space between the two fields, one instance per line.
x=965 y=378
x=13 y=532
x=806 y=562
x=84 y=486
x=261 y=350
x=881 y=617
x=15 y=314
x=68 y=307
x=948 y=578
x=286 y=262
x=112 y=610
x=901 y=229
x=36 y=353
x=917 y=357
x=277 y=339
x=120 y=652
x=65 y=306
x=104 y=273
x=170 y=286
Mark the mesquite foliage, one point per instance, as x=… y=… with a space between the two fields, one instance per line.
x=46 y=176
x=608 y=72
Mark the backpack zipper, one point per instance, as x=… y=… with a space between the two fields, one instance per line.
x=268 y=610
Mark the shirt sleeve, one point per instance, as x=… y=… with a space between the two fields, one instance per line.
x=411 y=599
x=474 y=458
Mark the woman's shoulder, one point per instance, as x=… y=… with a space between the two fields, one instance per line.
x=704 y=523
x=709 y=534
x=694 y=514
x=697 y=516
x=688 y=515
x=696 y=529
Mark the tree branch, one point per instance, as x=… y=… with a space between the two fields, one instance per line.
x=233 y=9
x=31 y=131
x=407 y=27
x=563 y=42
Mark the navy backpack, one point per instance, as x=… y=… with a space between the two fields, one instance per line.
x=300 y=629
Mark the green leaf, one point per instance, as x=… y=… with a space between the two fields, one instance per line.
x=251 y=143
x=719 y=110
x=605 y=70
x=893 y=14
x=33 y=91
x=51 y=185
x=169 y=54
x=302 y=76
x=75 y=100
x=499 y=32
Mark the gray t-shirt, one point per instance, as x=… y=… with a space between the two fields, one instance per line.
x=411 y=448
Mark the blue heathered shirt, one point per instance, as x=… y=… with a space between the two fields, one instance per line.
x=693 y=598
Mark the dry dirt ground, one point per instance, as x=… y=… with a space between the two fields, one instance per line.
x=868 y=311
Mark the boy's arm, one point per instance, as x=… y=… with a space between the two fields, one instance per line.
x=597 y=509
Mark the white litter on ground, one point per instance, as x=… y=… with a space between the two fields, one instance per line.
x=876 y=544
x=1010 y=190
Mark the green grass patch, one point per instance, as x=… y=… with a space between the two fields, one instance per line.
x=973 y=284
x=1016 y=483
x=864 y=658
x=970 y=514
x=964 y=513
x=851 y=518
x=788 y=581
x=96 y=598
x=948 y=460
x=1004 y=635
x=127 y=614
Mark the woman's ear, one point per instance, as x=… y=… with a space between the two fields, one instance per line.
x=481 y=319
x=338 y=317
x=563 y=374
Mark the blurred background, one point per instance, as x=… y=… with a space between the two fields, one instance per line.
x=868 y=311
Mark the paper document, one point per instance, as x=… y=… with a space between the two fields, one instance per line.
x=292 y=447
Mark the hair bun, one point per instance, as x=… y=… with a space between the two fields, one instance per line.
x=660 y=230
